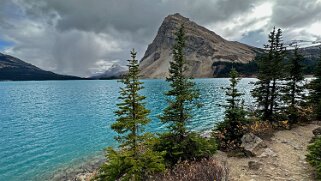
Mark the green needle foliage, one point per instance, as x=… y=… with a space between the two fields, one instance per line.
x=267 y=88
x=232 y=92
x=182 y=95
x=235 y=116
x=293 y=90
x=135 y=158
x=132 y=114
x=178 y=143
x=315 y=91
x=314 y=156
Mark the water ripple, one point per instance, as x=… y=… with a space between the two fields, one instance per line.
x=47 y=125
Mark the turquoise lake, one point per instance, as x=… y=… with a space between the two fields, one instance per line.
x=48 y=125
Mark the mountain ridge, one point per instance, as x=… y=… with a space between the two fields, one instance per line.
x=14 y=69
x=114 y=72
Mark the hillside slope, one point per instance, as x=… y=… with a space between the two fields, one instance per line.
x=12 y=68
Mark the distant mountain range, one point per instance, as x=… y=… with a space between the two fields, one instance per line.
x=12 y=68
x=114 y=72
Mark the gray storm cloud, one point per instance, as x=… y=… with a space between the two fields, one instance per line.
x=296 y=13
x=80 y=37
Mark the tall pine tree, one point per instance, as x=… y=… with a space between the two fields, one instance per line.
x=315 y=91
x=235 y=116
x=132 y=114
x=178 y=142
x=135 y=158
x=182 y=94
x=293 y=90
x=277 y=71
x=267 y=88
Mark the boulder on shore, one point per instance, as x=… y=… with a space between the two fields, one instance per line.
x=253 y=144
x=254 y=165
x=317 y=131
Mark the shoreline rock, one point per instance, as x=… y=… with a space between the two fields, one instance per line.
x=253 y=144
x=83 y=172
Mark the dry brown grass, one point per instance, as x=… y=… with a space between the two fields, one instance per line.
x=259 y=127
x=204 y=170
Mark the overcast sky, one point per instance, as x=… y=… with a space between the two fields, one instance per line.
x=80 y=37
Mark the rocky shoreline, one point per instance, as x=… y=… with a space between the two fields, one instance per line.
x=81 y=172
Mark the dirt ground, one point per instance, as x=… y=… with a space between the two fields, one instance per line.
x=288 y=162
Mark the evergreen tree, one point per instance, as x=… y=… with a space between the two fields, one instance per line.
x=179 y=143
x=262 y=87
x=135 y=159
x=293 y=90
x=232 y=126
x=232 y=92
x=314 y=156
x=267 y=89
x=132 y=114
x=182 y=94
x=315 y=91
x=277 y=71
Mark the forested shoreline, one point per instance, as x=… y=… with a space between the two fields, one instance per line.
x=280 y=95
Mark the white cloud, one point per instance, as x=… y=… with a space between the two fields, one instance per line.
x=258 y=17
x=315 y=29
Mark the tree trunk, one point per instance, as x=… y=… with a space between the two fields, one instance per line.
x=272 y=102
x=266 y=102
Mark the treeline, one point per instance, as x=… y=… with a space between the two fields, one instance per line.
x=251 y=69
x=282 y=101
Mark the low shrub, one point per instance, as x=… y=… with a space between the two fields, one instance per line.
x=259 y=127
x=228 y=138
x=124 y=165
x=205 y=170
x=190 y=147
x=314 y=156
x=318 y=111
x=306 y=114
x=230 y=131
x=298 y=115
x=293 y=114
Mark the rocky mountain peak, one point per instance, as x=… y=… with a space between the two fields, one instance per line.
x=116 y=66
x=114 y=71
x=177 y=16
x=203 y=48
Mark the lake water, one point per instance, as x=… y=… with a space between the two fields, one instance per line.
x=48 y=125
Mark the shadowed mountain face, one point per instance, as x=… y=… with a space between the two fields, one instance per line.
x=203 y=49
x=12 y=68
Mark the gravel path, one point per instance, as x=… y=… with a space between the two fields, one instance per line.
x=290 y=147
